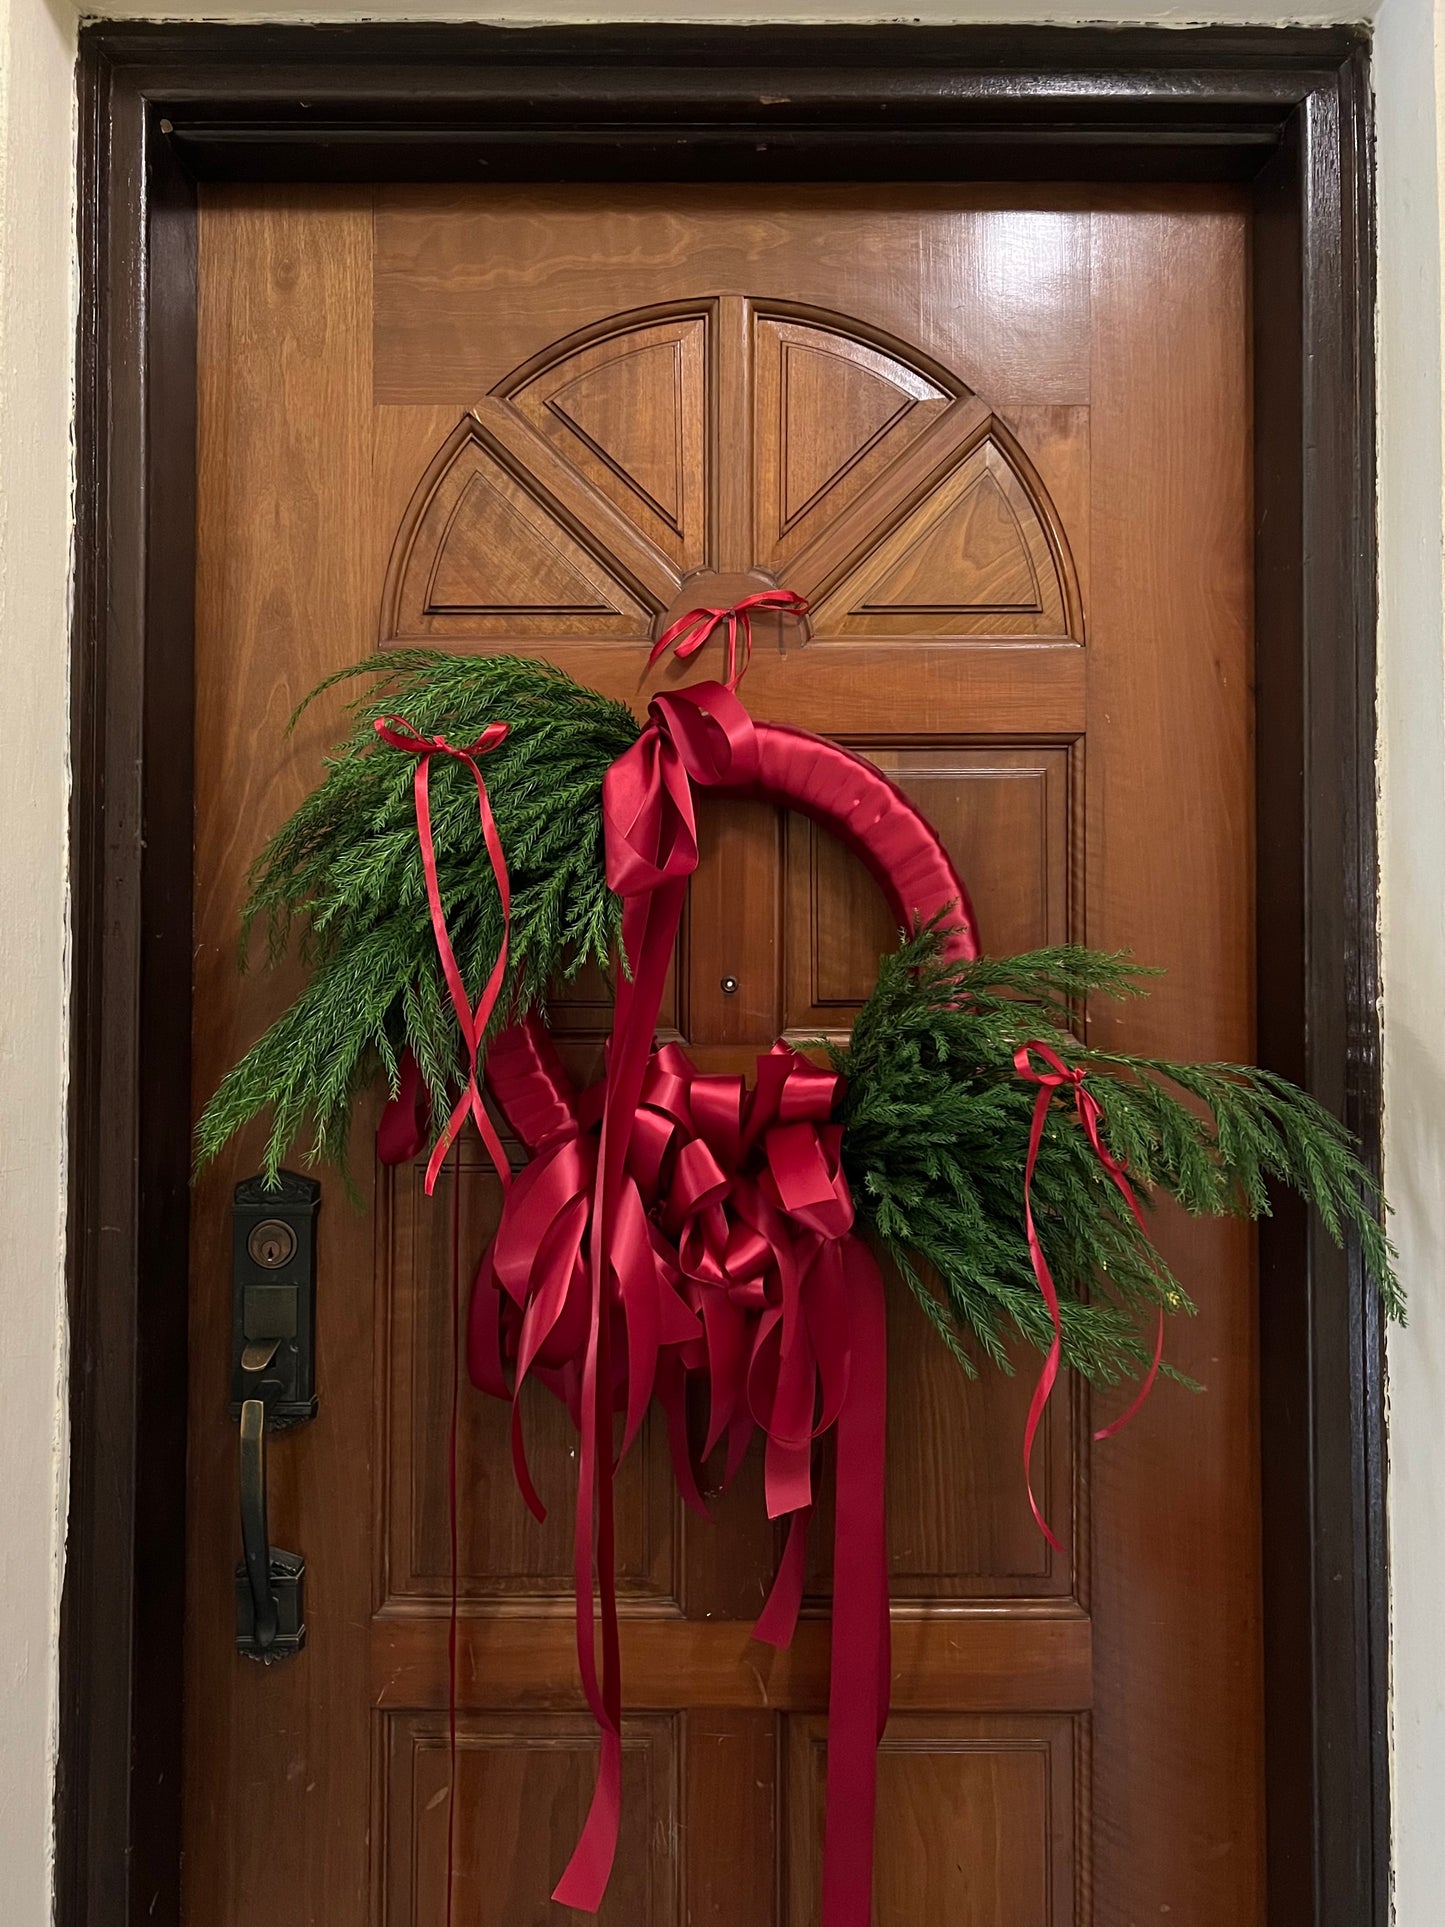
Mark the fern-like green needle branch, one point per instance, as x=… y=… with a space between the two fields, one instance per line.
x=936 y=1136
x=343 y=878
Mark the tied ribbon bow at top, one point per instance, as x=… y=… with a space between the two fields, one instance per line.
x=1057 y=1076
x=396 y=731
x=690 y=632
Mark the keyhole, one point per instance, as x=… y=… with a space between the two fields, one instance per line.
x=271 y=1243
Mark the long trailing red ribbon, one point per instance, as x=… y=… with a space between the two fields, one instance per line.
x=650 y=830
x=690 y=632
x=704 y=735
x=473 y=1021
x=1059 y=1076
x=396 y=731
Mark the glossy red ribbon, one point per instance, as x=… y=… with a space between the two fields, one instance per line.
x=650 y=829
x=718 y=1225
x=690 y=632
x=473 y=1021
x=1059 y=1076
x=733 y=1257
x=404 y=1120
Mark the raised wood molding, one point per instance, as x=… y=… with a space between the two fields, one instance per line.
x=1285 y=111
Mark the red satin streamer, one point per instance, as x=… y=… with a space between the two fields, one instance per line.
x=409 y=1113
x=452 y=1533
x=400 y=734
x=689 y=633
x=1061 y=1076
x=703 y=734
x=651 y=841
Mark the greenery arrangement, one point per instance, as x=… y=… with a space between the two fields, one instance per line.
x=936 y=1119
x=936 y=1134
x=343 y=878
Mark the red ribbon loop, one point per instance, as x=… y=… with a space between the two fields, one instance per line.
x=473 y=1022
x=690 y=632
x=1059 y=1076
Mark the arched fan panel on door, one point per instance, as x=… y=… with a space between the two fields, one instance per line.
x=614 y=476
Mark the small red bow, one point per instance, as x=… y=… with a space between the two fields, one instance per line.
x=400 y=734
x=690 y=632
x=1061 y=1076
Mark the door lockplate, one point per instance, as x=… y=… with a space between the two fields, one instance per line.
x=273 y=1386
x=273 y=1319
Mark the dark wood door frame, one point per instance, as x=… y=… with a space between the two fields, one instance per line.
x=1286 y=112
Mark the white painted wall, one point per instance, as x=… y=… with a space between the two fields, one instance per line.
x=1410 y=83
x=36 y=358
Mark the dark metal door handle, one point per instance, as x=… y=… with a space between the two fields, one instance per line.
x=255 y=1532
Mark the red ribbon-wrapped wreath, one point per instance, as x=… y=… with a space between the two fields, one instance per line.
x=671 y=1224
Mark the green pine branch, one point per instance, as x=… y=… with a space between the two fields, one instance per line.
x=342 y=880
x=937 y=1125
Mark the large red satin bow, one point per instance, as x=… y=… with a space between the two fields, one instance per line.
x=724 y=1262
x=473 y=1022
x=689 y=633
x=1060 y=1076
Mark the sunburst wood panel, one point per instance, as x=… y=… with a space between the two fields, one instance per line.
x=583 y=495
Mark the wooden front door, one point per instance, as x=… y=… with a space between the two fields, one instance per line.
x=1000 y=438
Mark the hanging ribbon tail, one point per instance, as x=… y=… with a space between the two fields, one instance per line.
x=650 y=832
x=859 y=1674
x=1048 y=1083
x=1146 y=1387
x=778 y=1620
x=1060 y=1076
x=672 y=1392
x=584 y=1884
x=397 y=732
